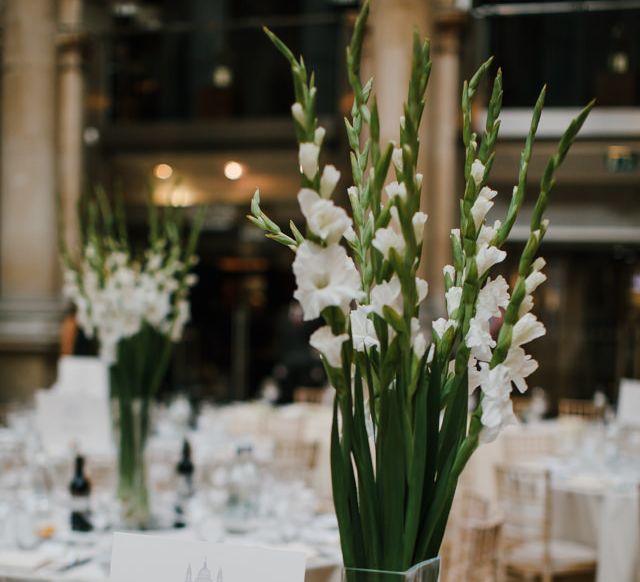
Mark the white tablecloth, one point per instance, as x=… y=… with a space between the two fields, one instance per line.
x=601 y=514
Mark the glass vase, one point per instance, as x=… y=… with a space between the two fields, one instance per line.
x=131 y=425
x=427 y=571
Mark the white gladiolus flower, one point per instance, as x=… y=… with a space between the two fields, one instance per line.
x=328 y=180
x=422 y=288
x=363 y=331
x=418 y=340
x=440 y=326
x=496 y=404
x=493 y=296
x=324 y=218
x=479 y=340
x=396 y=158
x=526 y=329
x=453 y=297
x=394 y=189
x=418 y=221
x=325 y=277
x=521 y=366
x=387 y=293
x=487 y=257
x=477 y=171
x=308 y=153
x=487 y=193
x=479 y=210
x=318 y=136
x=386 y=239
x=329 y=345
x=298 y=114
x=487 y=234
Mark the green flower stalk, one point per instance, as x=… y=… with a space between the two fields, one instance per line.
x=401 y=432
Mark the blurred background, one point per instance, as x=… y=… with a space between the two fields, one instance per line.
x=189 y=99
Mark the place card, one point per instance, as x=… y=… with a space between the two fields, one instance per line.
x=629 y=403
x=138 y=557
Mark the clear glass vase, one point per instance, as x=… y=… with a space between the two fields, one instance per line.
x=131 y=425
x=427 y=571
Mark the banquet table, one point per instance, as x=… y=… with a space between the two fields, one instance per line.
x=290 y=514
x=594 y=502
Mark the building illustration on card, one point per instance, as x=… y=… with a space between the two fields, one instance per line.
x=204 y=575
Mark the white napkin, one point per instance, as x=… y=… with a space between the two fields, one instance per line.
x=23 y=560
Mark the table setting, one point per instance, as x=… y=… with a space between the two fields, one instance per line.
x=399 y=432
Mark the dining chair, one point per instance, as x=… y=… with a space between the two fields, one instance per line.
x=529 y=444
x=309 y=395
x=585 y=409
x=471 y=545
x=521 y=405
x=528 y=549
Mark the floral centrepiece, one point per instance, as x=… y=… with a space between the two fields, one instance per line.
x=401 y=429
x=136 y=305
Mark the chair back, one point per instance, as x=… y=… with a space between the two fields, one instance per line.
x=309 y=395
x=524 y=494
x=528 y=445
x=585 y=409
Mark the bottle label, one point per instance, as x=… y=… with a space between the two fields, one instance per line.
x=80 y=504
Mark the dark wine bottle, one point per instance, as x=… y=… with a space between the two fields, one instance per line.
x=80 y=489
x=184 y=469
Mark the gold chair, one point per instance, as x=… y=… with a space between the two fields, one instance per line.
x=527 y=547
x=521 y=405
x=584 y=409
x=471 y=545
x=309 y=395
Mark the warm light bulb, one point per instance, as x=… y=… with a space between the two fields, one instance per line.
x=163 y=171
x=233 y=170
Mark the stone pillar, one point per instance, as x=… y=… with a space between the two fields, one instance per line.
x=443 y=182
x=29 y=274
x=388 y=59
x=70 y=115
x=392 y=23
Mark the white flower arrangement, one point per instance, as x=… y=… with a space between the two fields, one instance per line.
x=393 y=499
x=117 y=294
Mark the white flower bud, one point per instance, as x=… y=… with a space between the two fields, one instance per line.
x=328 y=181
x=396 y=189
x=308 y=157
x=477 y=171
x=298 y=114
x=396 y=158
x=318 y=136
x=449 y=270
x=418 y=221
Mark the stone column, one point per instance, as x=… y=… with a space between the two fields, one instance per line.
x=29 y=279
x=388 y=59
x=392 y=23
x=443 y=182
x=70 y=114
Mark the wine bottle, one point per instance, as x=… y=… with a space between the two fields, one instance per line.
x=80 y=489
x=184 y=469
